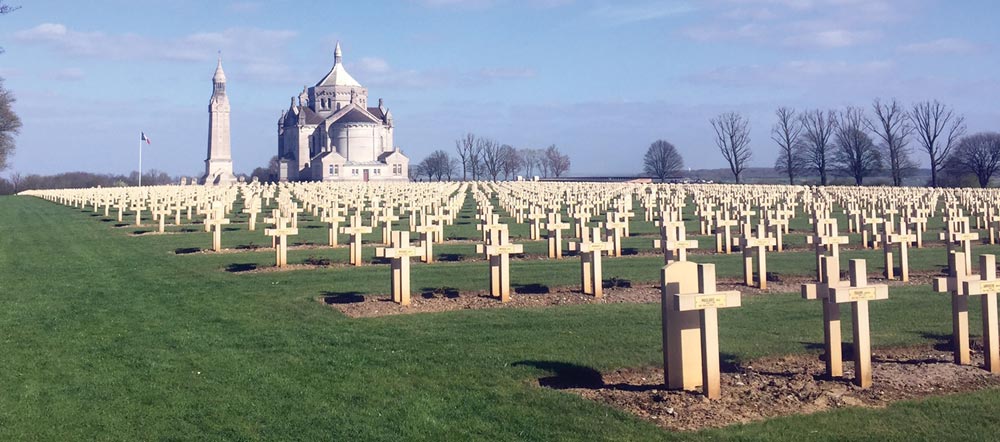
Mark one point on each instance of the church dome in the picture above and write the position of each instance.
(338, 76)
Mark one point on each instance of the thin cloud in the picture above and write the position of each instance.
(260, 51)
(620, 14)
(821, 24)
(941, 46)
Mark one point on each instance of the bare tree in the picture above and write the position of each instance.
(732, 136)
(452, 168)
(543, 163)
(510, 161)
(856, 154)
(530, 161)
(662, 160)
(787, 133)
(464, 147)
(10, 125)
(892, 127)
(476, 158)
(15, 180)
(558, 164)
(938, 129)
(819, 128)
(978, 154)
(491, 157)
(6, 9)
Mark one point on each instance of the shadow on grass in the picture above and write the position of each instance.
(450, 257)
(342, 297)
(122, 225)
(140, 232)
(231, 229)
(438, 292)
(250, 246)
(107, 220)
(629, 251)
(565, 375)
(186, 250)
(241, 267)
(941, 342)
(615, 282)
(531, 289)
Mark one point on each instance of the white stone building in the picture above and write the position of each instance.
(329, 133)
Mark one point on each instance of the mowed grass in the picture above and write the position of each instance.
(106, 336)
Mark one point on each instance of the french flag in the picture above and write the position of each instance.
(144, 138)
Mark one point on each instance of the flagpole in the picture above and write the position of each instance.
(140, 159)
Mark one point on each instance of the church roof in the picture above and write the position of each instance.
(338, 76)
(309, 116)
(353, 113)
(377, 113)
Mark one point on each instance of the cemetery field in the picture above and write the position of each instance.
(110, 335)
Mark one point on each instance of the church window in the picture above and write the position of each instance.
(397, 169)
(335, 169)
(354, 172)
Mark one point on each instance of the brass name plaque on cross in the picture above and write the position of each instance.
(862, 294)
(710, 301)
(989, 286)
(409, 251)
(505, 249)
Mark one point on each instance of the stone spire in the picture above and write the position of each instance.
(220, 75)
(219, 164)
(337, 54)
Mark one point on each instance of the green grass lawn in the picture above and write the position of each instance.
(108, 336)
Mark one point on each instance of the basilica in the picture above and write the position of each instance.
(329, 133)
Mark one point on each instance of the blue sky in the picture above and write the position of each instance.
(600, 79)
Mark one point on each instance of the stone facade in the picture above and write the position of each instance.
(219, 164)
(328, 133)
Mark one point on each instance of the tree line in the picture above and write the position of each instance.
(485, 158)
(859, 142)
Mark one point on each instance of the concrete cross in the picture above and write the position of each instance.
(987, 287)
(331, 216)
(554, 226)
(252, 209)
(830, 278)
(689, 310)
(954, 283)
(870, 235)
(279, 237)
(858, 293)
(535, 216)
(160, 213)
(215, 220)
(499, 255)
(590, 248)
(399, 254)
(903, 239)
(387, 218)
(614, 229)
(826, 240)
(356, 230)
(748, 244)
(723, 232)
(427, 231)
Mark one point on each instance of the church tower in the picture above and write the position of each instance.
(219, 164)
